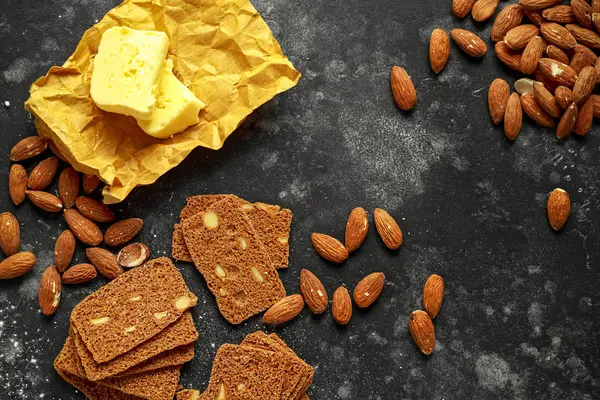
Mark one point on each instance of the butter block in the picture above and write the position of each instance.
(176, 107)
(127, 71)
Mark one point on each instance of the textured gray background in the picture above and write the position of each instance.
(520, 318)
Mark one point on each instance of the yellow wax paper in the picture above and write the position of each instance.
(221, 49)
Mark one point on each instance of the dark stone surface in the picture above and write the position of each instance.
(520, 318)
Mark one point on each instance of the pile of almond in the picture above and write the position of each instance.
(420, 323)
(82, 214)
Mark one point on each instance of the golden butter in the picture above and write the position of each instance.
(176, 107)
(127, 71)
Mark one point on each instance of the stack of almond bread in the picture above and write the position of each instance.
(262, 367)
(237, 246)
(130, 339)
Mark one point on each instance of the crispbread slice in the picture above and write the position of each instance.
(94, 391)
(302, 386)
(187, 394)
(152, 354)
(246, 283)
(131, 309)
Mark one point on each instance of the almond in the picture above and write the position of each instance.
(535, 17)
(123, 231)
(356, 229)
(596, 20)
(582, 12)
(517, 38)
(369, 289)
(68, 187)
(524, 85)
(83, 229)
(56, 151)
(584, 85)
(508, 18)
(595, 6)
(546, 100)
(27, 148)
(537, 4)
(79, 273)
(64, 250)
(422, 331)
(90, 183)
(329, 248)
(535, 112)
(567, 121)
(17, 265)
(513, 117)
(469, 42)
(510, 58)
(556, 53)
(10, 234)
(284, 310)
(582, 59)
(133, 255)
(104, 261)
(561, 14)
(49, 291)
(403, 89)
(94, 209)
(597, 68)
(531, 55)
(558, 35)
(585, 116)
(557, 72)
(388, 229)
(564, 97)
(584, 36)
(596, 102)
(42, 175)
(313, 291)
(44, 200)
(433, 295)
(439, 50)
(341, 306)
(17, 183)
(484, 9)
(548, 84)
(461, 8)
(497, 98)
(559, 208)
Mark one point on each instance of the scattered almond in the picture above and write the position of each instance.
(433, 295)
(133, 255)
(369, 289)
(83, 229)
(535, 112)
(509, 17)
(561, 14)
(42, 175)
(531, 55)
(27, 148)
(123, 231)
(584, 85)
(68, 187)
(329, 248)
(497, 98)
(341, 306)
(582, 57)
(94, 209)
(17, 265)
(510, 58)
(546, 100)
(537, 4)
(557, 72)
(469, 42)
(79, 273)
(513, 117)
(582, 12)
(313, 291)
(439, 50)
(517, 38)
(461, 8)
(64, 250)
(558, 35)
(49, 291)
(585, 116)
(388, 229)
(17, 183)
(10, 234)
(584, 36)
(564, 97)
(284, 310)
(90, 183)
(559, 208)
(44, 200)
(567, 121)
(484, 9)
(104, 261)
(356, 229)
(403, 89)
(556, 53)
(422, 331)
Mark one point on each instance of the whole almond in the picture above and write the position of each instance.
(79, 273)
(83, 229)
(484, 9)
(563, 96)
(584, 85)
(104, 261)
(388, 229)
(123, 231)
(27, 148)
(433, 295)
(68, 187)
(341, 306)
(497, 98)
(17, 183)
(596, 20)
(64, 249)
(535, 17)
(422, 331)
(469, 42)
(558, 35)
(510, 58)
(596, 105)
(550, 85)
(17, 265)
(369, 289)
(42, 175)
(531, 55)
(517, 38)
(284, 310)
(56, 151)
(584, 36)
(90, 183)
(329, 248)
(559, 208)
(595, 6)
(49, 291)
(509, 17)
(461, 8)
(357, 228)
(94, 209)
(44, 200)
(561, 14)
(585, 116)
(133, 255)
(313, 291)
(537, 4)
(513, 117)
(582, 57)
(10, 234)
(546, 100)
(557, 72)
(556, 53)
(582, 12)
(535, 112)
(403, 89)
(439, 50)
(567, 121)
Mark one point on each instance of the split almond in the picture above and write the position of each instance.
(68, 187)
(134, 255)
(313, 291)
(369, 289)
(17, 265)
(27, 148)
(94, 209)
(517, 38)
(90, 183)
(80, 273)
(10, 234)
(433, 295)
(513, 117)
(64, 250)
(341, 306)
(439, 50)
(469, 42)
(584, 85)
(461, 8)
(17, 183)
(388, 229)
(329, 248)
(422, 331)
(44, 200)
(510, 17)
(535, 112)
(284, 310)
(564, 97)
(104, 261)
(585, 117)
(83, 229)
(559, 208)
(498, 95)
(42, 175)
(546, 100)
(557, 72)
(123, 231)
(49, 291)
(357, 228)
(403, 89)
(484, 9)
(567, 121)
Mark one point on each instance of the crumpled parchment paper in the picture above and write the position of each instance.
(221, 49)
